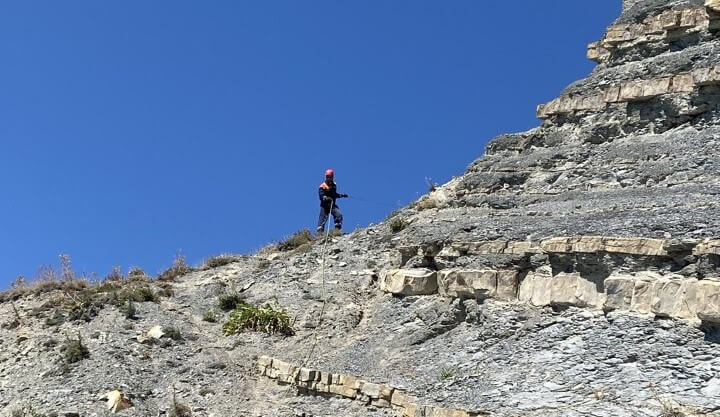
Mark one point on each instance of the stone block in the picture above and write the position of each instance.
(635, 246)
(266, 361)
(468, 283)
(306, 374)
(631, 91)
(557, 245)
(619, 290)
(507, 285)
(536, 288)
(409, 281)
(521, 248)
(588, 244)
(708, 301)
(670, 19)
(343, 390)
(682, 83)
(371, 390)
(574, 290)
(713, 5)
(386, 392)
(612, 94)
(402, 399)
(707, 247)
(675, 298)
(380, 403)
(643, 296)
(350, 381)
(654, 88)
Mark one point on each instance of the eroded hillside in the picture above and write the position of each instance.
(573, 270)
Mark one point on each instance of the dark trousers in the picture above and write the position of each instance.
(325, 213)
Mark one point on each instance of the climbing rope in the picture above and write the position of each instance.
(324, 299)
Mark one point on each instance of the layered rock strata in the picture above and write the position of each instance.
(353, 388)
(643, 291)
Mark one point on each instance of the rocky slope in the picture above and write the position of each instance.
(573, 270)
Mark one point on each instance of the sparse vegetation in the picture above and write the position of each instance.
(265, 319)
(263, 265)
(397, 224)
(172, 333)
(74, 350)
(129, 310)
(178, 269)
(29, 411)
(178, 409)
(447, 373)
(295, 241)
(136, 272)
(230, 301)
(221, 260)
(210, 316)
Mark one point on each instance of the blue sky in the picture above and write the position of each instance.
(132, 130)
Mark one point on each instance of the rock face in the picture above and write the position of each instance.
(572, 270)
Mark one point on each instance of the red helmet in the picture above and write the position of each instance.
(329, 173)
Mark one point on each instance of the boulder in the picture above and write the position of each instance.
(708, 301)
(418, 281)
(536, 287)
(675, 298)
(619, 291)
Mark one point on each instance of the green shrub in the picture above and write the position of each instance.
(74, 350)
(265, 319)
(296, 240)
(173, 333)
(139, 294)
(230, 301)
(210, 316)
(397, 224)
(447, 373)
(129, 310)
(221, 260)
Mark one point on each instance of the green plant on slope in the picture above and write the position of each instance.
(265, 319)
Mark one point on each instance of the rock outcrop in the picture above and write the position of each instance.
(572, 270)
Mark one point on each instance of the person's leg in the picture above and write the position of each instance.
(337, 217)
(324, 214)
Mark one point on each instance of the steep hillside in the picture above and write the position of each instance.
(573, 270)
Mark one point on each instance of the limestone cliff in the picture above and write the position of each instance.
(572, 270)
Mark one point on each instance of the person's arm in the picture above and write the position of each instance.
(323, 194)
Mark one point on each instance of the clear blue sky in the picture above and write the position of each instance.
(131, 130)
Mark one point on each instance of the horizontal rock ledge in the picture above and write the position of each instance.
(640, 90)
(354, 388)
(666, 25)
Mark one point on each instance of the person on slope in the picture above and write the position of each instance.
(328, 196)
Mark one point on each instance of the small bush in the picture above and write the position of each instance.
(221, 260)
(210, 316)
(129, 310)
(293, 242)
(173, 333)
(83, 307)
(135, 272)
(447, 373)
(178, 409)
(263, 265)
(265, 319)
(29, 411)
(178, 269)
(397, 224)
(74, 351)
(139, 294)
(230, 301)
